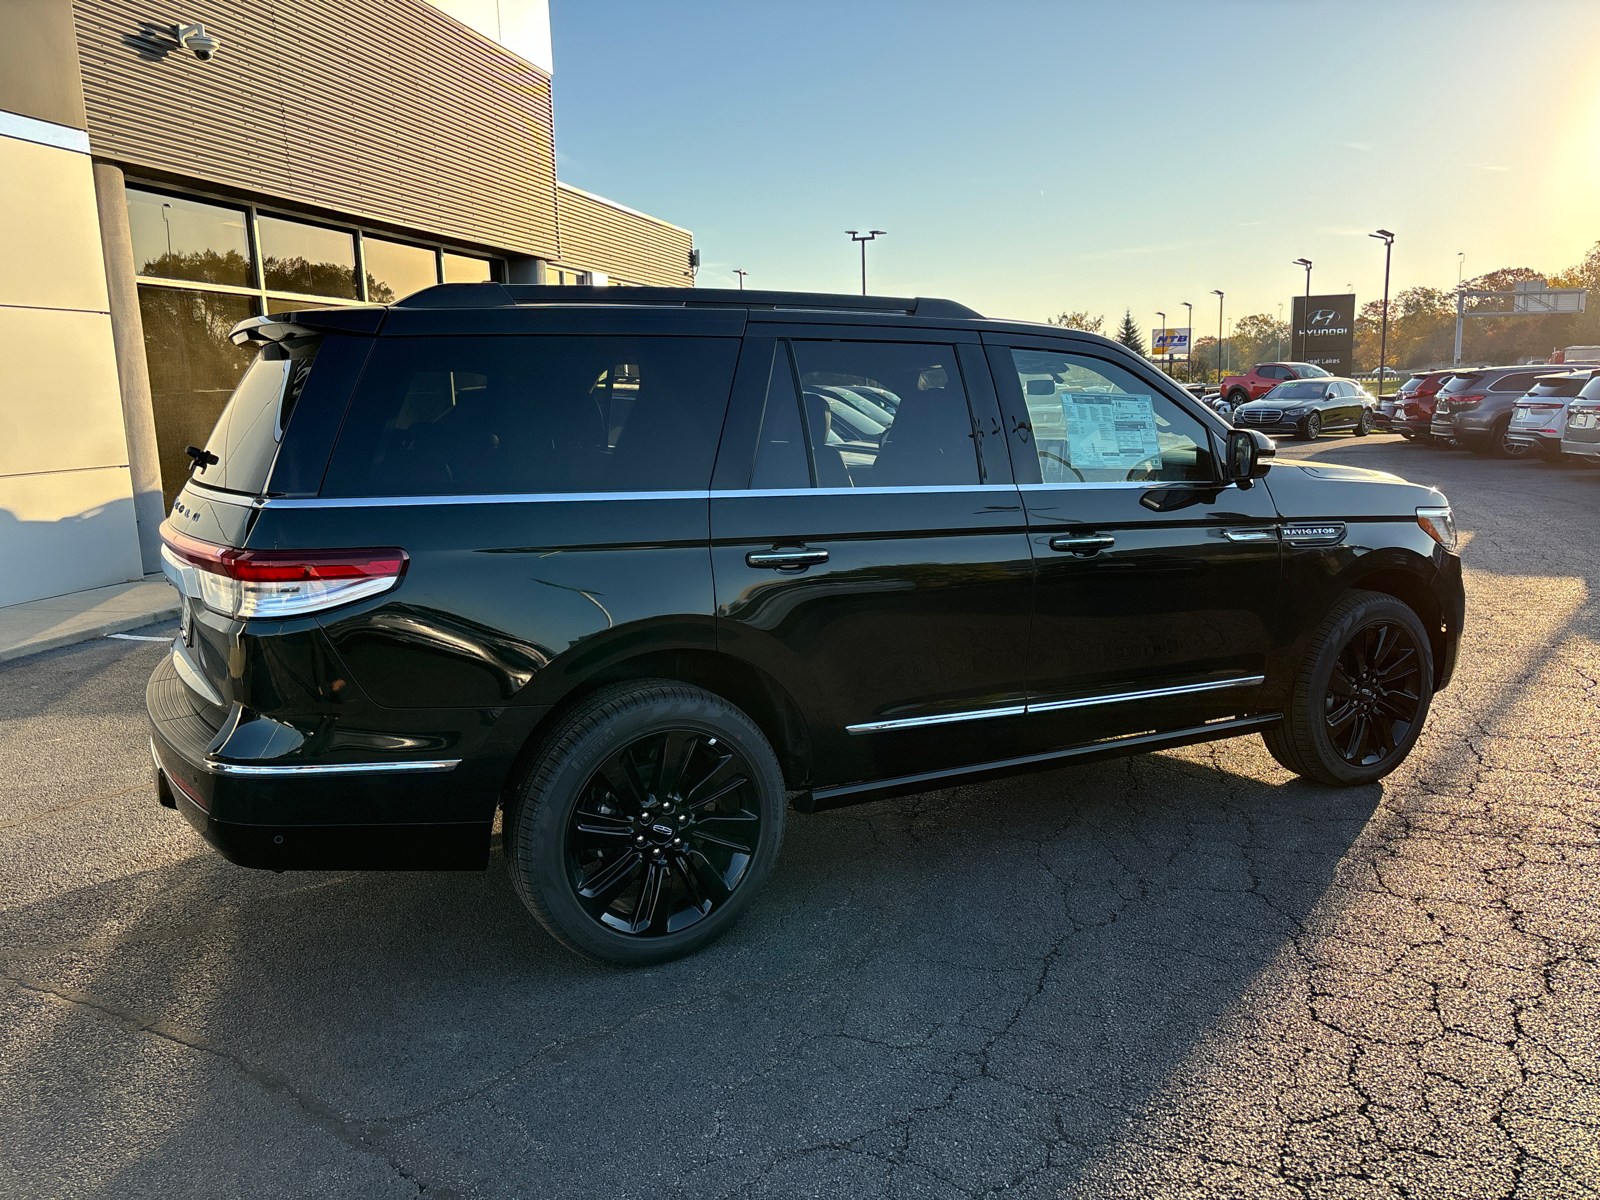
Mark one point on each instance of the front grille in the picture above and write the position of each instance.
(1262, 416)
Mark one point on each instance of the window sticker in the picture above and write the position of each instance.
(1110, 432)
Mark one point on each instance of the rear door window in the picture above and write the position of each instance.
(511, 415)
(875, 414)
(247, 435)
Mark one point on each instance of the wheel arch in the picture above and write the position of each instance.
(1414, 591)
(748, 688)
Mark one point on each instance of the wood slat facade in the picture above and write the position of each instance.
(601, 235)
(386, 112)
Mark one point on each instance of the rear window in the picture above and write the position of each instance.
(1557, 387)
(474, 416)
(1461, 383)
(250, 429)
(1591, 390)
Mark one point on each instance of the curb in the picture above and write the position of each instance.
(88, 632)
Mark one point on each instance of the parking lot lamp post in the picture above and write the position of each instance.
(1218, 295)
(1160, 329)
(741, 275)
(1387, 238)
(1189, 349)
(864, 238)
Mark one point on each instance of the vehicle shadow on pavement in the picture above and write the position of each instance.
(928, 988)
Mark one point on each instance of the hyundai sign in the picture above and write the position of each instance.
(1165, 342)
(1324, 333)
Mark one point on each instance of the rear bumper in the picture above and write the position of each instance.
(1547, 443)
(317, 815)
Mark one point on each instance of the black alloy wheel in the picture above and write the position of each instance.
(647, 822)
(1361, 694)
(1364, 425)
(663, 833)
(1311, 427)
(1373, 693)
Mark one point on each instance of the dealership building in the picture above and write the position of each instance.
(166, 172)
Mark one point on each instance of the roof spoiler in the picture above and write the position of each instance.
(498, 295)
(259, 331)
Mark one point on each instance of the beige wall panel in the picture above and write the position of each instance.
(50, 248)
(66, 531)
(597, 235)
(60, 407)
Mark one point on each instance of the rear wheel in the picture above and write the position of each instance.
(1311, 427)
(648, 824)
(1364, 425)
(1501, 446)
(1361, 694)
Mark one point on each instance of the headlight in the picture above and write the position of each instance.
(1298, 410)
(1439, 524)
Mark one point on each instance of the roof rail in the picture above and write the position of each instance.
(497, 295)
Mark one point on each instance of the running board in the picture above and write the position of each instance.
(822, 799)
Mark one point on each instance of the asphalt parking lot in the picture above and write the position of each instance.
(1188, 974)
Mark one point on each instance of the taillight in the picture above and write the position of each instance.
(279, 583)
(1459, 403)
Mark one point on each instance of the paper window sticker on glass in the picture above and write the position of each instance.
(1110, 432)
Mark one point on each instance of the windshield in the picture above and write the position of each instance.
(1304, 390)
(1461, 383)
(1307, 371)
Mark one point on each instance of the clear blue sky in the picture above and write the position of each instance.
(1032, 158)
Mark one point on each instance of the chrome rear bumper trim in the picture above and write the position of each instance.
(311, 769)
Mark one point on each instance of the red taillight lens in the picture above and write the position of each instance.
(278, 583)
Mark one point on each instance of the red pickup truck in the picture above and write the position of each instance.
(1263, 377)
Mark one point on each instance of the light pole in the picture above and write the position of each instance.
(1160, 329)
(1218, 295)
(1280, 329)
(741, 275)
(864, 238)
(1305, 315)
(1189, 346)
(1387, 238)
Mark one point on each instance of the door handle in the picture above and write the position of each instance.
(1251, 535)
(1083, 546)
(785, 560)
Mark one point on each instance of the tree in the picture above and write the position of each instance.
(1129, 334)
(1081, 321)
(1258, 338)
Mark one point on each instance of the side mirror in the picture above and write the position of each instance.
(1248, 455)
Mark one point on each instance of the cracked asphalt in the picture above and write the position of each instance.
(1188, 974)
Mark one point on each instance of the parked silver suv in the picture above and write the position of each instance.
(1538, 419)
(1581, 437)
(1474, 409)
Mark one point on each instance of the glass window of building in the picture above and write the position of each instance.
(193, 368)
(174, 238)
(458, 268)
(307, 259)
(395, 270)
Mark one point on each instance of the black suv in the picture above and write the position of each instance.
(642, 568)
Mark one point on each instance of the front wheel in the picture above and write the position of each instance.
(1311, 428)
(1238, 396)
(647, 825)
(1361, 694)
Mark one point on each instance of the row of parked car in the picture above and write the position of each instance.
(1509, 412)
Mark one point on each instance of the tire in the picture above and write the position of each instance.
(635, 882)
(1364, 425)
(1311, 428)
(1500, 447)
(1238, 396)
(1376, 727)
